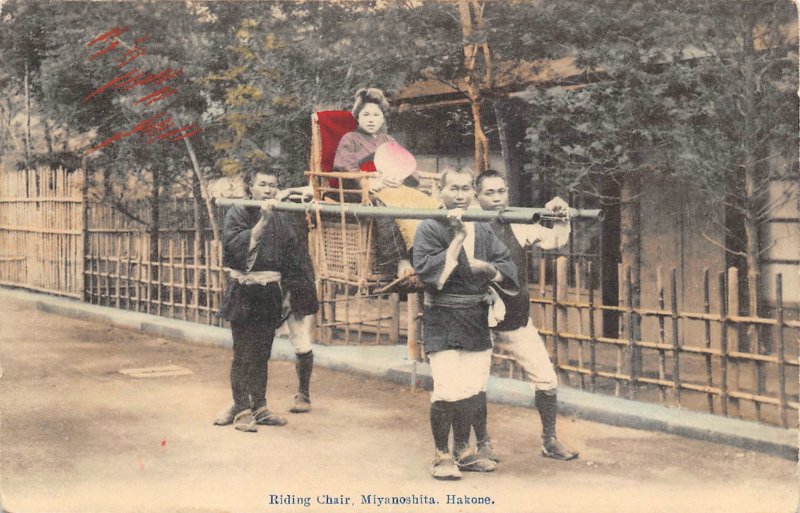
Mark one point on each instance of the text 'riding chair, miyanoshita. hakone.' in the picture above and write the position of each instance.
(357, 305)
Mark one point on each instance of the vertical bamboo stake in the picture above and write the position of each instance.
(208, 282)
(755, 345)
(196, 280)
(118, 265)
(676, 349)
(581, 364)
(212, 303)
(129, 249)
(140, 269)
(782, 406)
(723, 363)
(554, 316)
(159, 275)
(48, 254)
(95, 261)
(707, 322)
(592, 334)
(327, 312)
(631, 341)
(733, 309)
(184, 284)
(223, 282)
(618, 348)
(561, 318)
(394, 322)
(149, 276)
(359, 315)
(171, 263)
(107, 274)
(381, 299)
(542, 288)
(347, 302)
(412, 342)
(662, 357)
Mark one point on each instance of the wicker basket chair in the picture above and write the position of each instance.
(343, 249)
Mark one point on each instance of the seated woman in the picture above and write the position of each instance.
(356, 151)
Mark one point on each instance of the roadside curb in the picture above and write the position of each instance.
(390, 363)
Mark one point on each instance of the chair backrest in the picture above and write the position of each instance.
(327, 129)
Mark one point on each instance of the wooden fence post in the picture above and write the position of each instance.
(581, 343)
(723, 362)
(84, 243)
(676, 348)
(414, 350)
(781, 350)
(662, 336)
(757, 342)
(592, 335)
(394, 321)
(560, 320)
(618, 348)
(631, 331)
(554, 317)
(707, 323)
(732, 308)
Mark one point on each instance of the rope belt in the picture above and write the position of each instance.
(254, 277)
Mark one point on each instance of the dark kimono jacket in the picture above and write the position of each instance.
(464, 327)
(518, 307)
(278, 250)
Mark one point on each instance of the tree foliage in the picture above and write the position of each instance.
(703, 91)
(700, 90)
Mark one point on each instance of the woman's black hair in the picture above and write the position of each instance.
(370, 95)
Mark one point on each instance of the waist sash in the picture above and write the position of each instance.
(254, 278)
(497, 309)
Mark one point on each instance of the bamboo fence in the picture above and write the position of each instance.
(712, 359)
(717, 360)
(41, 240)
(180, 278)
(185, 281)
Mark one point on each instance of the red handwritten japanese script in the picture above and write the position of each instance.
(157, 127)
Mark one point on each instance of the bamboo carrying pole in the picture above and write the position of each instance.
(510, 215)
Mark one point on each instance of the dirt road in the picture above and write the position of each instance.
(77, 435)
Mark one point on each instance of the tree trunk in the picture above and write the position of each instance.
(509, 131)
(8, 113)
(155, 223)
(610, 255)
(48, 137)
(631, 247)
(212, 218)
(473, 80)
(27, 117)
(197, 212)
(751, 183)
(757, 338)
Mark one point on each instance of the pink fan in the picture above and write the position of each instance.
(394, 161)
